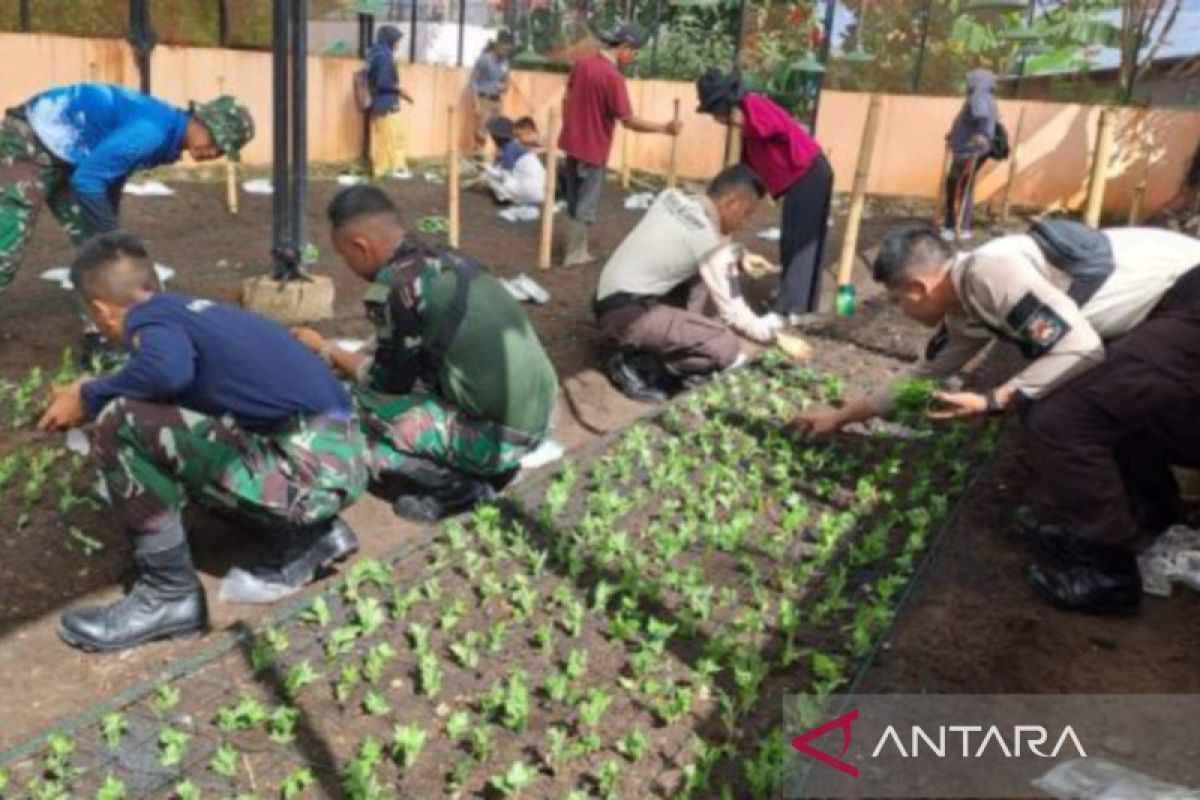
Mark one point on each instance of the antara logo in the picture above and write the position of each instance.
(1021, 740)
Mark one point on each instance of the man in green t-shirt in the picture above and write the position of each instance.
(456, 387)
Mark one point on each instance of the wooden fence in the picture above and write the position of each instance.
(1055, 144)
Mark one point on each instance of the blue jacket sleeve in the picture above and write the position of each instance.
(120, 153)
(162, 366)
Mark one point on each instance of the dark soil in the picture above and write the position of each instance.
(972, 626)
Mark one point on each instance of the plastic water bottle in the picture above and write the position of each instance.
(845, 300)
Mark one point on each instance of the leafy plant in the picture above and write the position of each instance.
(458, 724)
(172, 745)
(225, 760)
(299, 676)
(243, 715)
(186, 790)
(113, 728)
(359, 780)
(407, 742)
(374, 703)
(282, 724)
(112, 789)
(633, 745)
(317, 612)
(296, 782)
(429, 674)
(512, 781)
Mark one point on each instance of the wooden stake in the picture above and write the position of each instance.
(1099, 178)
(671, 168)
(733, 153)
(1014, 162)
(1143, 168)
(625, 166)
(452, 187)
(859, 194)
(547, 232)
(231, 181)
(940, 207)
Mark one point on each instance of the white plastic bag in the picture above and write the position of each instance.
(1098, 779)
(639, 202)
(1173, 558)
(148, 189)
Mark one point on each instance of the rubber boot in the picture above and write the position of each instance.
(166, 602)
(577, 244)
(637, 377)
(1108, 581)
(296, 555)
(437, 492)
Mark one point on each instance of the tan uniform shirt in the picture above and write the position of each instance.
(678, 238)
(1009, 290)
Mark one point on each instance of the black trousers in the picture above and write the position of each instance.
(960, 191)
(803, 226)
(1104, 443)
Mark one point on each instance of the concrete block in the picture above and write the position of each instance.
(291, 302)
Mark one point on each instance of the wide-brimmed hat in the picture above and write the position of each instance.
(228, 121)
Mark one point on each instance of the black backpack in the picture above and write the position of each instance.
(1000, 146)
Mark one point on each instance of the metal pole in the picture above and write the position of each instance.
(279, 155)
(412, 34)
(141, 39)
(926, 23)
(299, 195)
(462, 28)
(26, 22)
(1029, 14)
(826, 46)
(366, 35)
(737, 54)
(223, 23)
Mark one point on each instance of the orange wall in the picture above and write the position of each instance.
(1055, 143)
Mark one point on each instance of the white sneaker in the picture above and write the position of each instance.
(947, 234)
(532, 289)
(775, 322)
(401, 175)
(966, 236)
(515, 290)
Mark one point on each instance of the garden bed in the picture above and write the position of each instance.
(624, 629)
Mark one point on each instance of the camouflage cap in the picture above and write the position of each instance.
(228, 121)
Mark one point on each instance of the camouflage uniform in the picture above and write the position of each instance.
(152, 457)
(29, 177)
(415, 405)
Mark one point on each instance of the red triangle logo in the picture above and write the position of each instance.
(801, 743)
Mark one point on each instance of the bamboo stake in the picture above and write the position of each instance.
(1099, 177)
(547, 232)
(940, 205)
(672, 167)
(1014, 162)
(231, 182)
(859, 195)
(452, 228)
(1143, 169)
(733, 152)
(625, 166)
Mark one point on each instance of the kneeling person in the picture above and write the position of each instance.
(216, 405)
(457, 387)
(518, 175)
(656, 291)
(1110, 323)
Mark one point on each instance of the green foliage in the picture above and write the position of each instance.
(225, 760)
(112, 789)
(113, 728)
(512, 781)
(296, 782)
(407, 743)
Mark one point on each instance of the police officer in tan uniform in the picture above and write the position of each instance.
(1110, 323)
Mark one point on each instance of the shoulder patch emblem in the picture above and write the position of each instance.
(1037, 326)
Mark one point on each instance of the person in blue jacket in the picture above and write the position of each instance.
(72, 148)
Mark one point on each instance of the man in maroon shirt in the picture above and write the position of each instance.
(595, 101)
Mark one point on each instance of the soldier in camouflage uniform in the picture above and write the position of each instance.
(72, 148)
(458, 387)
(218, 406)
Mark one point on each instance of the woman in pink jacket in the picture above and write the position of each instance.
(791, 163)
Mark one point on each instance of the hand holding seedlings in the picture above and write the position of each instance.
(66, 408)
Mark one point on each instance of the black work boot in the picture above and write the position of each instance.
(1050, 539)
(1105, 581)
(295, 556)
(460, 493)
(639, 377)
(166, 602)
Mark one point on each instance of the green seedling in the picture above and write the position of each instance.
(317, 612)
(516, 778)
(543, 638)
(403, 602)
(113, 728)
(557, 747)
(112, 789)
(429, 674)
(674, 705)
(764, 772)
(418, 637)
(166, 698)
(369, 613)
(376, 661)
(25, 398)
(359, 780)
(282, 725)
(296, 782)
(225, 760)
(607, 779)
(172, 745)
(243, 715)
(452, 614)
(633, 745)
(375, 704)
(342, 640)
(407, 742)
(914, 395)
(482, 745)
(58, 759)
(466, 651)
(460, 775)
(349, 677)
(299, 676)
(10, 465)
(458, 725)
(186, 790)
(508, 702)
(496, 636)
(593, 706)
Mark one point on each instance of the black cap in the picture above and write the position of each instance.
(501, 127)
(629, 33)
(719, 91)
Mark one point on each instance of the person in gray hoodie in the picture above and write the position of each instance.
(970, 142)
